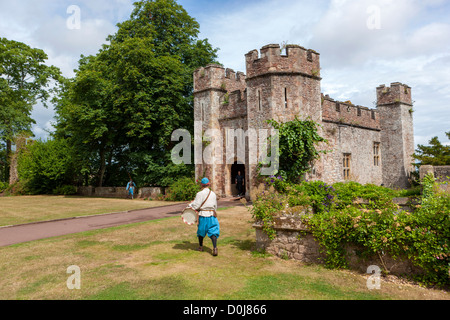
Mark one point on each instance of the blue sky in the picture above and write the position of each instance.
(410, 43)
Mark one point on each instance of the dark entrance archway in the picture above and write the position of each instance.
(235, 168)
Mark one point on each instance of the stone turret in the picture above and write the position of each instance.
(219, 94)
(395, 108)
(297, 60)
(282, 87)
(216, 77)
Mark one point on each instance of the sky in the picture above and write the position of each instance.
(363, 43)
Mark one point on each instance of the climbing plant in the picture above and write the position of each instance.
(298, 141)
(376, 224)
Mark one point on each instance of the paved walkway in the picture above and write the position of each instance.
(48, 229)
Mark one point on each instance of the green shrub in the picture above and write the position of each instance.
(376, 197)
(19, 188)
(184, 189)
(66, 190)
(3, 186)
(265, 207)
(376, 224)
(422, 236)
(46, 165)
(414, 191)
(321, 196)
(428, 185)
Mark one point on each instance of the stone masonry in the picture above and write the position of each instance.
(295, 241)
(365, 145)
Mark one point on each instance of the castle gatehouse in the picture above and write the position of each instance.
(365, 145)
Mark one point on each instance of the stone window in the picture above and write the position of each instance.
(359, 112)
(285, 98)
(203, 112)
(376, 154)
(346, 164)
(373, 115)
(259, 100)
(309, 56)
(338, 107)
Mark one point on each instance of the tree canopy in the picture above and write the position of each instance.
(24, 80)
(124, 103)
(435, 154)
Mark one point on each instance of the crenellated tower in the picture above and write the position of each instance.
(395, 108)
(282, 87)
(217, 92)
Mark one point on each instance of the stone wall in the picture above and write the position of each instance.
(235, 107)
(216, 77)
(346, 113)
(119, 192)
(441, 173)
(295, 241)
(150, 192)
(13, 173)
(359, 144)
(21, 143)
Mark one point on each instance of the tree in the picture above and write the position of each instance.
(44, 166)
(24, 80)
(3, 162)
(124, 103)
(435, 154)
(84, 115)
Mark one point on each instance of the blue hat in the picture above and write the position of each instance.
(205, 181)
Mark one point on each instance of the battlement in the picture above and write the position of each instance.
(396, 93)
(216, 77)
(349, 114)
(297, 60)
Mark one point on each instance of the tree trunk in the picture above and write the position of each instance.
(102, 167)
(8, 159)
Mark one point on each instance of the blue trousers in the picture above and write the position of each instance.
(208, 226)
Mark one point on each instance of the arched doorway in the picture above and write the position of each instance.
(235, 168)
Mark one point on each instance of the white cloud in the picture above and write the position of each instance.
(55, 35)
(412, 45)
(344, 37)
(43, 24)
(249, 26)
(65, 46)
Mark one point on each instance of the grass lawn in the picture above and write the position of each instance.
(26, 209)
(158, 260)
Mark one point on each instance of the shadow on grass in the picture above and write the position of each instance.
(192, 246)
(245, 245)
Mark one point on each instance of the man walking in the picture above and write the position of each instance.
(131, 188)
(240, 183)
(205, 204)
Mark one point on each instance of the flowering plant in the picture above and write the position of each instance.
(374, 222)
